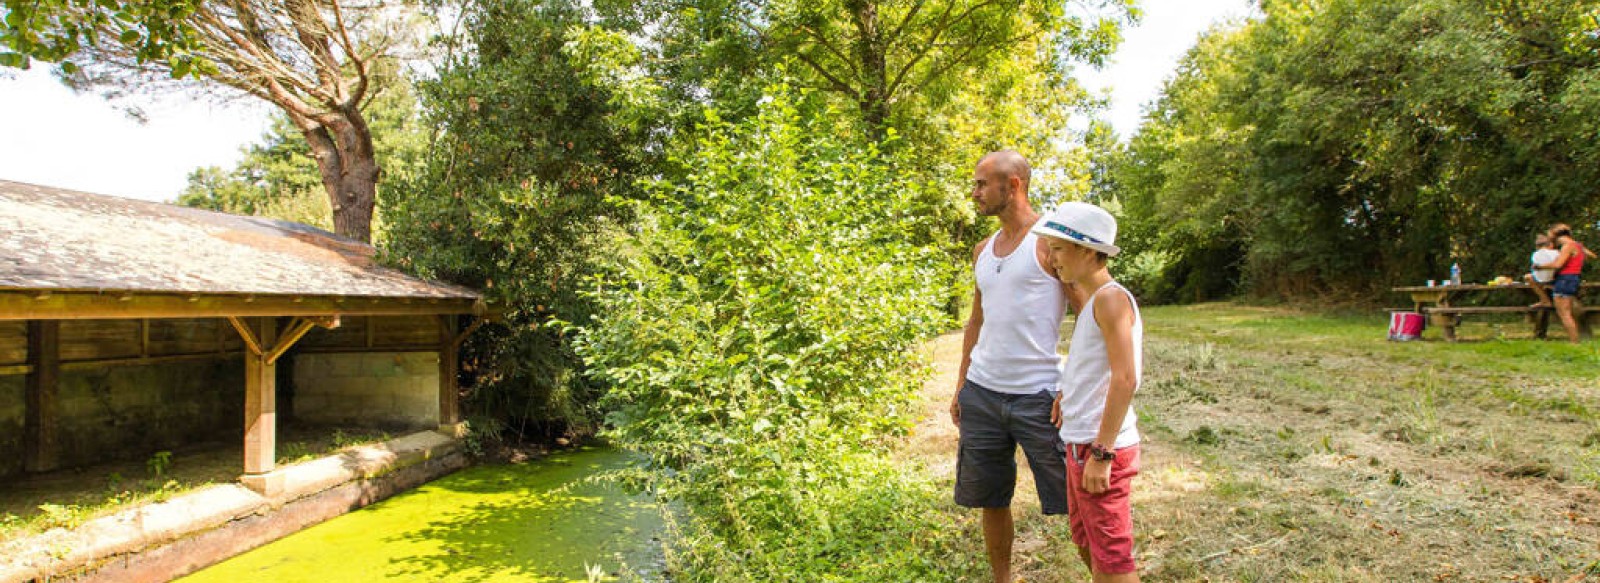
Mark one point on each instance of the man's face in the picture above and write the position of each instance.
(991, 191)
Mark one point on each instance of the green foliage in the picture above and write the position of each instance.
(278, 168)
(756, 338)
(159, 463)
(513, 200)
(1343, 146)
(950, 80)
(56, 30)
(278, 177)
(890, 59)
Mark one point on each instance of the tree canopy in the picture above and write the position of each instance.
(1343, 146)
(315, 60)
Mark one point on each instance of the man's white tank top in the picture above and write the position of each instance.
(1022, 306)
(1087, 377)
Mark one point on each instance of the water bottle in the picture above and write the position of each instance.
(1455, 274)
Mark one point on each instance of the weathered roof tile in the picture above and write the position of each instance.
(55, 239)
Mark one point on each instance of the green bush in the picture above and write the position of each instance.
(757, 341)
(513, 201)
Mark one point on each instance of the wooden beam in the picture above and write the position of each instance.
(250, 342)
(41, 449)
(143, 360)
(260, 412)
(16, 369)
(366, 350)
(297, 330)
(32, 305)
(473, 327)
(449, 368)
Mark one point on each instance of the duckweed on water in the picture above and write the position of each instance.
(536, 522)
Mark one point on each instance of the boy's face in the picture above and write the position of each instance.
(1068, 260)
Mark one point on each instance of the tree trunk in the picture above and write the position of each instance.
(342, 146)
(869, 51)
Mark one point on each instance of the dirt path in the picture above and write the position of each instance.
(1043, 543)
(1277, 449)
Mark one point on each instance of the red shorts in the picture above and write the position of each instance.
(1103, 522)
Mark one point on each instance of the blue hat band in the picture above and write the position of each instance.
(1071, 233)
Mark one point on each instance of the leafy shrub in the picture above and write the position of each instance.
(513, 201)
(756, 341)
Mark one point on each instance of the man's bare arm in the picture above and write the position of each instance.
(969, 338)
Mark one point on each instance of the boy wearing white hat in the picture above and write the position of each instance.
(1097, 385)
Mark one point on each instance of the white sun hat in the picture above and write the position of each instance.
(1084, 224)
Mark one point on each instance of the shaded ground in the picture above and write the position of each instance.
(1290, 446)
(544, 521)
(67, 498)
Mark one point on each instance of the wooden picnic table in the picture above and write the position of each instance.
(1435, 302)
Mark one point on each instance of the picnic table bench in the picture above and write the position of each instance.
(1435, 302)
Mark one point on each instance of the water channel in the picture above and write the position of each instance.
(543, 521)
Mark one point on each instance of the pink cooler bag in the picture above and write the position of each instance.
(1405, 325)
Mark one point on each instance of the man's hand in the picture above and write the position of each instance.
(1055, 412)
(1096, 475)
(955, 408)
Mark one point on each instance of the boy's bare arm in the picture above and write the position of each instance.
(1114, 313)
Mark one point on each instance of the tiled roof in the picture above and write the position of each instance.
(54, 239)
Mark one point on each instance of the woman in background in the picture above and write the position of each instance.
(1568, 265)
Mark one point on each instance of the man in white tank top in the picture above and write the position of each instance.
(1097, 386)
(1006, 391)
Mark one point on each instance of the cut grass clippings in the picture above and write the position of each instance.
(1283, 445)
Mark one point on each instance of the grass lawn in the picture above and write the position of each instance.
(1282, 445)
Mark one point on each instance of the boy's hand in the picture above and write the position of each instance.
(1055, 411)
(1096, 476)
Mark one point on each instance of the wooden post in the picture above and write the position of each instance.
(41, 449)
(449, 367)
(260, 412)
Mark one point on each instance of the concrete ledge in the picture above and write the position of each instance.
(166, 540)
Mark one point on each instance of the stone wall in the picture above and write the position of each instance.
(13, 406)
(131, 411)
(128, 412)
(387, 390)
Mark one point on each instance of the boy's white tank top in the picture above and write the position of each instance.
(1087, 377)
(1022, 306)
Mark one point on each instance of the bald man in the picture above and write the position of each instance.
(1006, 392)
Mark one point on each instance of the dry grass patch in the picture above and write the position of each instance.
(1289, 446)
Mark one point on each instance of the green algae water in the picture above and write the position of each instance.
(543, 521)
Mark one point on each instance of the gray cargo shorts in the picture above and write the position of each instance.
(992, 426)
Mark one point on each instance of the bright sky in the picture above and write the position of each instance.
(54, 137)
(1150, 51)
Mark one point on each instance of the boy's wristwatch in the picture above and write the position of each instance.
(1099, 452)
